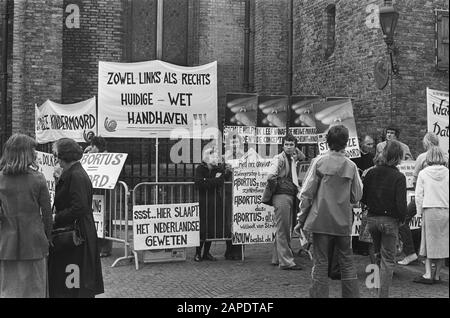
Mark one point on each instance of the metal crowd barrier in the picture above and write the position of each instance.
(149, 193)
(116, 219)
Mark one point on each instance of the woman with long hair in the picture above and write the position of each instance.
(432, 203)
(73, 203)
(25, 221)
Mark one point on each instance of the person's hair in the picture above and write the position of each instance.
(395, 129)
(435, 156)
(429, 140)
(290, 137)
(68, 150)
(337, 137)
(18, 154)
(99, 142)
(392, 154)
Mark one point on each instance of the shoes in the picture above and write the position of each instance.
(274, 264)
(292, 268)
(422, 280)
(408, 259)
(105, 254)
(197, 258)
(209, 257)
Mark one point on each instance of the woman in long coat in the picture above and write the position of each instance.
(73, 201)
(25, 221)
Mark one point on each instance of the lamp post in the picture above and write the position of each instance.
(388, 20)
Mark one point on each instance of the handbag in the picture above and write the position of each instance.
(66, 238)
(269, 190)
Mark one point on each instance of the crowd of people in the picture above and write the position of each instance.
(321, 204)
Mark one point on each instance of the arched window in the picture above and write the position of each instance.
(330, 30)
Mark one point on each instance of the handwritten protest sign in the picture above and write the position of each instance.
(103, 168)
(253, 221)
(47, 162)
(98, 211)
(54, 121)
(166, 226)
(151, 99)
(407, 168)
(437, 116)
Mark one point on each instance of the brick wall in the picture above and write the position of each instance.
(271, 46)
(221, 38)
(99, 38)
(349, 70)
(37, 59)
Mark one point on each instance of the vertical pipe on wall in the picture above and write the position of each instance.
(4, 70)
(290, 53)
(247, 47)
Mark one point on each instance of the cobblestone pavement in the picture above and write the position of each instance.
(255, 277)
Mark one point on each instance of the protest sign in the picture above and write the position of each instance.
(331, 113)
(416, 221)
(407, 168)
(253, 221)
(357, 214)
(437, 116)
(271, 119)
(76, 121)
(166, 226)
(103, 168)
(98, 211)
(152, 99)
(302, 122)
(47, 163)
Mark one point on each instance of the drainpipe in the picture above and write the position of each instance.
(290, 53)
(247, 47)
(4, 72)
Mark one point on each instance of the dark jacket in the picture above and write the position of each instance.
(73, 201)
(211, 195)
(25, 216)
(384, 192)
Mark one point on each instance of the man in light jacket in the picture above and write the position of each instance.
(332, 184)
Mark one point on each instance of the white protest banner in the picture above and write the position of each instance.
(150, 99)
(407, 168)
(437, 116)
(253, 221)
(331, 113)
(416, 221)
(103, 168)
(54, 121)
(47, 163)
(166, 226)
(98, 211)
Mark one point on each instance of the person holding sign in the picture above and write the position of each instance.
(283, 173)
(73, 202)
(385, 196)
(332, 184)
(25, 221)
(432, 203)
(393, 133)
(209, 180)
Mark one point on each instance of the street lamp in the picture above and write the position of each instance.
(388, 21)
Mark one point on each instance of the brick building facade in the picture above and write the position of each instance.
(335, 47)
